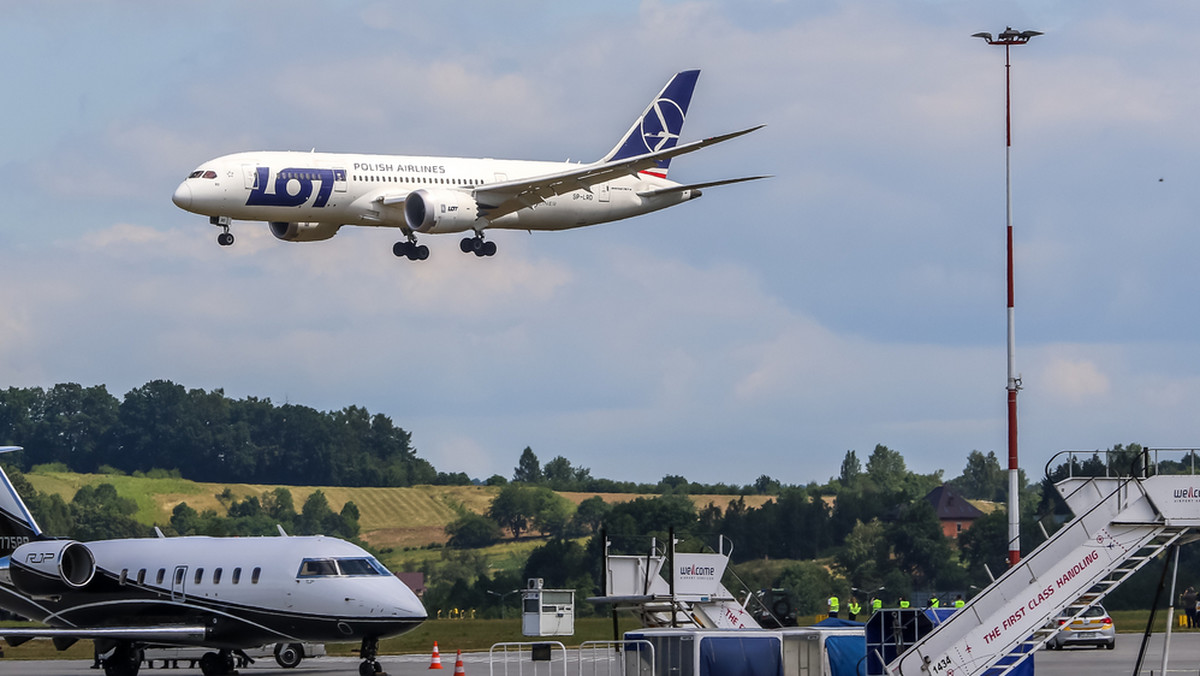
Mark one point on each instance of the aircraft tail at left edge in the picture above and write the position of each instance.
(17, 525)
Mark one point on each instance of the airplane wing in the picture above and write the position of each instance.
(65, 636)
(499, 199)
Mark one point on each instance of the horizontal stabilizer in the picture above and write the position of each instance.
(498, 199)
(16, 523)
(698, 186)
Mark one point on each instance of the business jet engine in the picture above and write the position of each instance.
(49, 567)
(303, 232)
(440, 210)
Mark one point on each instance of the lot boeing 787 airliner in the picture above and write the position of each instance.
(307, 197)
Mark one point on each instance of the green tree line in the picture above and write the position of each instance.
(869, 528)
(209, 437)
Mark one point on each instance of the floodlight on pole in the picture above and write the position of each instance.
(1008, 39)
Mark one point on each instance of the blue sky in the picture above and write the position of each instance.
(856, 298)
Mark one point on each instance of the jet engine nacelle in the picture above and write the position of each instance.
(440, 211)
(49, 567)
(303, 232)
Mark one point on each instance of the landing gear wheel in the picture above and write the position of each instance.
(217, 664)
(410, 250)
(289, 655)
(367, 651)
(478, 246)
(125, 660)
(225, 239)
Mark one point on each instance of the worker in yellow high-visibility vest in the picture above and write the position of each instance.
(959, 602)
(876, 604)
(834, 604)
(854, 609)
(904, 602)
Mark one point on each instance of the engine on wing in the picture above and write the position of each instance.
(48, 567)
(303, 232)
(439, 211)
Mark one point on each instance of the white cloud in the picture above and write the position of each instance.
(1076, 381)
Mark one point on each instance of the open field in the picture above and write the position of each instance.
(392, 518)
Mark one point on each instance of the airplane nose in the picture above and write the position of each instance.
(183, 196)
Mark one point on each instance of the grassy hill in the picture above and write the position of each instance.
(390, 518)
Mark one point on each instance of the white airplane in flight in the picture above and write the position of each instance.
(228, 594)
(307, 197)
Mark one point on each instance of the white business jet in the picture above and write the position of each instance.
(306, 197)
(226, 593)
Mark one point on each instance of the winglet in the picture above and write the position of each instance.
(659, 126)
(16, 523)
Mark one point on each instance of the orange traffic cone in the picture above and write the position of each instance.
(458, 666)
(437, 658)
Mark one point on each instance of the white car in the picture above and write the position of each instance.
(1094, 628)
(287, 655)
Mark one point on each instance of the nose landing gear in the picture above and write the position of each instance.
(223, 222)
(368, 650)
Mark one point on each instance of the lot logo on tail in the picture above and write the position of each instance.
(661, 125)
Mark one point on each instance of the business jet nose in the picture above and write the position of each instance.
(183, 196)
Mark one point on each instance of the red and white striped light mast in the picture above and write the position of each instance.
(1009, 38)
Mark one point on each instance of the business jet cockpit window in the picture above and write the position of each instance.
(203, 174)
(341, 567)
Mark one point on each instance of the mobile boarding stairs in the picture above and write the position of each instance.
(1120, 524)
(690, 595)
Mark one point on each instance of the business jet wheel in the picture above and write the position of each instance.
(488, 249)
(217, 664)
(289, 655)
(225, 239)
(125, 660)
(469, 244)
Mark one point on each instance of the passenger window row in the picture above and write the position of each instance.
(371, 178)
(197, 577)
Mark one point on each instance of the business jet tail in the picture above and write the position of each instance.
(16, 523)
(659, 126)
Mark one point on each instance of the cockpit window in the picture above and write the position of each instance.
(318, 568)
(366, 566)
(341, 567)
(200, 173)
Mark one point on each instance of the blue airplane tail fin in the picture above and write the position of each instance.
(16, 523)
(659, 126)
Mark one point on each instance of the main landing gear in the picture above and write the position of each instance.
(478, 246)
(218, 663)
(368, 651)
(410, 249)
(223, 222)
(419, 252)
(123, 659)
